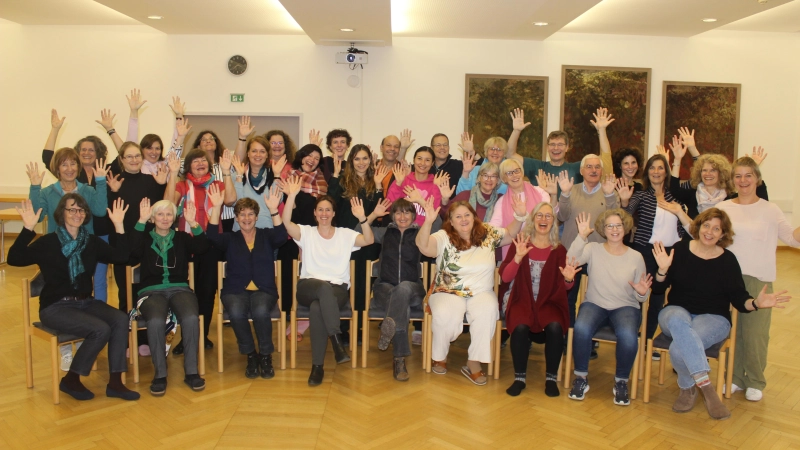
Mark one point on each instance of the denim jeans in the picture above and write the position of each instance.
(397, 302)
(183, 303)
(256, 305)
(96, 322)
(691, 335)
(101, 278)
(324, 300)
(625, 321)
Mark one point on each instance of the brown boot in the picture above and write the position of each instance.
(685, 401)
(714, 405)
(399, 369)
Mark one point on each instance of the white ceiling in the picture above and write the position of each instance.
(377, 21)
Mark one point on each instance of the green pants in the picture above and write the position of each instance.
(752, 341)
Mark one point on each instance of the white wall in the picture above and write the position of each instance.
(416, 83)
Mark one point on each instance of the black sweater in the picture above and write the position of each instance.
(704, 286)
(46, 253)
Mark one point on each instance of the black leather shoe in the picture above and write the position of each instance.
(265, 362)
(251, 371)
(178, 350)
(195, 382)
(317, 374)
(208, 344)
(338, 349)
(158, 387)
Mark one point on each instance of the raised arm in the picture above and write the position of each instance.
(225, 164)
(19, 255)
(174, 165)
(602, 119)
(357, 208)
(405, 143)
(107, 122)
(578, 249)
(518, 124)
(678, 149)
(135, 102)
(518, 204)
(245, 130)
(687, 139)
(291, 186)
(182, 127)
(50, 144)
(425, 242)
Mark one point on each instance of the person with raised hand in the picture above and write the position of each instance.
(759, 225)
(494, 151)
(66, 259)
(482, 197)
(465, 263)
(421, 179)
(164, 255)
(325, 271)
(618, 284)
(252, 178)
(249, 289)
(535, 304)
(444, 161)
(337, 142)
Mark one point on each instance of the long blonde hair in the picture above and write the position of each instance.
(530, 225)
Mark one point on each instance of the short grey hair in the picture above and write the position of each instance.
(592, 156)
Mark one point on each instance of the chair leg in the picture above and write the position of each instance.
(568, 359)
(201, 354)
(635, 375)
(354, 340)
(648, 370)
(721, 374)
(135, 353)
(642, 362)
(220, 367)
(293, 340)
(662, 365)
(55, 363)
(28, 357)
(364, 338)
(497, 332)
(428, 344)
(729, 377)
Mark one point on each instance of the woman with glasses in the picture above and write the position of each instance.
(494, 150)
(420, 185)
(618, 284)
(482, 197)
(66, 259)
(535, 305)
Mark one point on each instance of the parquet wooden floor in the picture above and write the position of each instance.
(366, 408)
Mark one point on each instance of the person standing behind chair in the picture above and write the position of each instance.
(325, 271)
(249, 288)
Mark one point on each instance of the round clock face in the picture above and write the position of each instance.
(237, 65)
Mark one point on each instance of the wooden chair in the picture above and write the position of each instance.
(346, 313)
(32, 288)
(606, 334)
(722, 351)
(492, 368)
(373, 313)
(132, 276)
(276, 315)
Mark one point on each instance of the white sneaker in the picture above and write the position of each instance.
(752, 394)
(734, 388)
(416, 337)
(66, 360)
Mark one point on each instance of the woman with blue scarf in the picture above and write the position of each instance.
(67, 260)
(253, 179)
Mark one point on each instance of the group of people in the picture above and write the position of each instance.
(710, 240)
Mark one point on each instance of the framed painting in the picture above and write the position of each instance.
(625, 91)
(488, 103)
(711, 109)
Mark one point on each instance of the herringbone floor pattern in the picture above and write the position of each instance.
(366, 408)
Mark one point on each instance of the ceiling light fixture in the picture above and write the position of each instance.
(709, 20)
(347, 29)
(540, 24)
(155, 17)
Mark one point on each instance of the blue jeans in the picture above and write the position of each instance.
(625, 321)
(101, 278)
(256, 305)
(691, 335)
(96, 322)
(397, 302)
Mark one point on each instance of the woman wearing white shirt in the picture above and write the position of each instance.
(325, 273)
(758, 225)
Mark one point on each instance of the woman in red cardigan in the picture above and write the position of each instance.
(535, 303)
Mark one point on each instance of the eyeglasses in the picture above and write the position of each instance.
(133, 157)
(275, 143)
(440, 145)
(494, 149)
(513, 172)
(488, 176)
(76, 211)
(208, 140)
(541, 216)
(614, 226)
(558, 145)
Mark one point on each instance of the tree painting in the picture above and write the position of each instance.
(712, 110)
(489, 102)
(626, 94)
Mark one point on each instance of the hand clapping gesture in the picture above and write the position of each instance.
(663, 259)
(400, 170)
(602, 119)
(565, 182)
(643, 285)
(570, 269)
(29, 218)
(758, 155)
(117, 214)
(145, 210)
(522, 244)
(32, 169)
(518, 119)
(547, 182)
(584, 224)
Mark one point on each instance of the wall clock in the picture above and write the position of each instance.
(237, 65)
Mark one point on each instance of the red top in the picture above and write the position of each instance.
(200, 202)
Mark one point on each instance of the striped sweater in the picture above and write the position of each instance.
(642, 206)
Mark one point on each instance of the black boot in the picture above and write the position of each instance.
(267, 371)
(317, 374)
(252, 365)
(338, 349)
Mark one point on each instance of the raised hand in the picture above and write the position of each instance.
(313, 138)
(106, 119)
(182, 126)
(522, 244)
(29, 217)
(214, 195)
(114, 183)
(547, 182)
(405, 139)
(291, 186)
(382, 208)
(55, 122)
(244, 127)
(277, 166)
(274, 199)
(466, 144)
(758, 155)
(400, 170)
(678, 148)
(337, 167)
(770, 300)
(686, 137)
(661, 150)
(570, 269)
(518, 204)
(584, 224)
(442, 181)
(608, 184)
(380, 173)
(663, 259)
(643, 285)
(145, 210)
(32, 169)
(602, 119)
(241, 167)
(226, 161)
(117, 213)
(468, 160)
(357, 208)
(100, 170)
(190, 213)
(161, 173)
(518, 119)
(135, 100)
(173, 164)
(565, 182)
(177, 107)
(430, 211)
(624, 190)
(413, 195)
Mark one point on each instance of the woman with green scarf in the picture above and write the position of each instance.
(67, 260)
(164, 255)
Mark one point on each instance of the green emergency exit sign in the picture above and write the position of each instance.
(237, 98)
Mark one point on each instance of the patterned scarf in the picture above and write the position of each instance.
(476, 198)
(312, 183)
(258, 183)
(161, 245)
(706, 200)
(72, 249)
(191, 183)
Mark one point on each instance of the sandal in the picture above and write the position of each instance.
(439, 367)
(477, 378)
